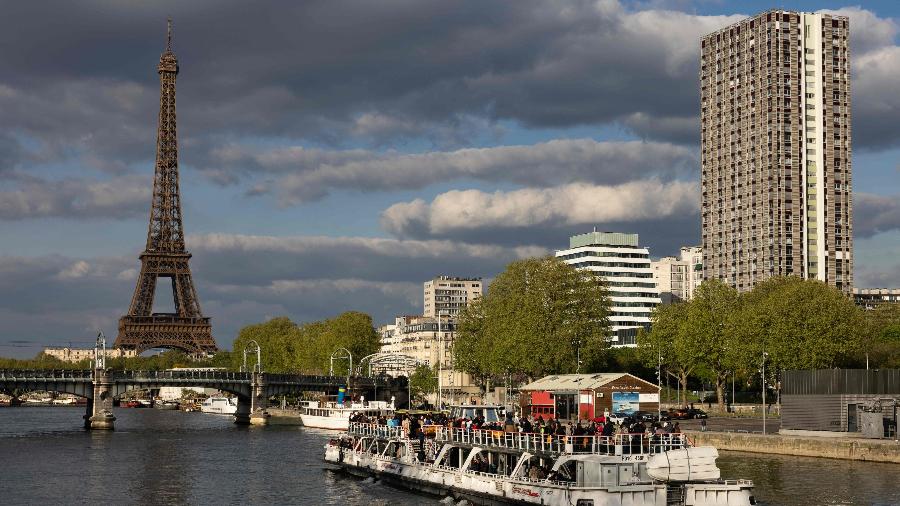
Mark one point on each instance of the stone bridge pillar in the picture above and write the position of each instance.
(259, 400)
(252, 410)
(99, 409)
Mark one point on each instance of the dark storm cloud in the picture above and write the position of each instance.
(240, 280)
(874, 214)
(84, 74)
(309, 174)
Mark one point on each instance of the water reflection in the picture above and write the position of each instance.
(786, 480)
(169, 457)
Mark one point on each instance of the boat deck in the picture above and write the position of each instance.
(618, 444)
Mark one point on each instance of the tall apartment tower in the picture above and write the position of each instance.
(446, 295)
(775, 143)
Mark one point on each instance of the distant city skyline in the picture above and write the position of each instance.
(334, 156)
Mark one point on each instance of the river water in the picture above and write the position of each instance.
(170, 457)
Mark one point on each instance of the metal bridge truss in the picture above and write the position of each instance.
(388, 363)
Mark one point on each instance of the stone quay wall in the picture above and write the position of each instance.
(873, 450)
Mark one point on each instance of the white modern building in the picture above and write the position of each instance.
(677, 277)
(448, 295)
(625, 267)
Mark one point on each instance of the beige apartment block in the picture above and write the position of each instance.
(448, 295)
(775, 150)
(429, 340)
(79, 354)
(678, 277)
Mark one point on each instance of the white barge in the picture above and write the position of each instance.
(334, 416)
(493, 467)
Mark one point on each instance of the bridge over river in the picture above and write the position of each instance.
(101, 386)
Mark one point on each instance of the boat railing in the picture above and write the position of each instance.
(375, 430)
(618, 444)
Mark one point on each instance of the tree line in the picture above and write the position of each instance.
(306, 348)
(788, 322)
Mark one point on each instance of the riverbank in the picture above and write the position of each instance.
(870, 450)
(278, 416)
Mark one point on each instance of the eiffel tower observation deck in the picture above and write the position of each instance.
(165, 256)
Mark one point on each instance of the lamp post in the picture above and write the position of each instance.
(347, 355)
(659, 386)
(251, 347)
(765, 356)
(440, 361)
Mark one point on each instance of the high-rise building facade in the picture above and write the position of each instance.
(677, 278)
(775, 150)
(448, 295)
(625, 267)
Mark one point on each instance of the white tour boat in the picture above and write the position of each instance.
(219, 405)
(495, 467)
(334, 416)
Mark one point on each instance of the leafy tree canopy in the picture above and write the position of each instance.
(537, 317)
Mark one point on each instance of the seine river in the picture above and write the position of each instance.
(169, 457)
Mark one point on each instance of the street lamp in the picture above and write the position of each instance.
(659, 386)
(440, 354)
(252, 347)
(765, 356)
(347, 355)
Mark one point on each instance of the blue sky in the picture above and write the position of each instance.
(335, 154)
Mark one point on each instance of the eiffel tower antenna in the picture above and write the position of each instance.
(169, 37)
(165, 255)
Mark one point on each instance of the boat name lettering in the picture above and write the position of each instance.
(525, 491)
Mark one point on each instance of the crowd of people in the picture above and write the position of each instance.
(412, 425)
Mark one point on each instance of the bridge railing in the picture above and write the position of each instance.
(228, 376)
(43, 374)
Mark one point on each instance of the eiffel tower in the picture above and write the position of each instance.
(165, 256)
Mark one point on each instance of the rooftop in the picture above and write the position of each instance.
(576, 381)
(603, 239)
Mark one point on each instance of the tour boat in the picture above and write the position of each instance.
(494, 467)
(219, 405)
(334, 416)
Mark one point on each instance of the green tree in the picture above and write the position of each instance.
(278, 339)
(538, 317)
(671, 343)
(351, 330)
(712, 317)
(880, 336)
(423, 381)
(800, 324)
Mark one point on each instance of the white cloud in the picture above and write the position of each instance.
(576, 203)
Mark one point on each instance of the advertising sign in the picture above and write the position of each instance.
(649, 398)
(625, 402)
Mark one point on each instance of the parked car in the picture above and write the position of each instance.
(618, 417)
(680, 414)
(697, 413)
(664, 415)
(644, 416)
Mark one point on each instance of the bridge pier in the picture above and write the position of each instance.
(99, 415)
(252, 410)
(259, 401)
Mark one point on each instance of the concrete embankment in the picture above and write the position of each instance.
(873, 450)
(284, 416)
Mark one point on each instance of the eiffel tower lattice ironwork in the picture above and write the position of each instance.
(165, 256)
